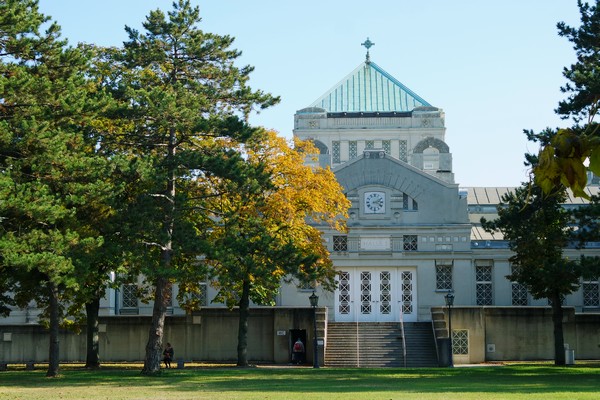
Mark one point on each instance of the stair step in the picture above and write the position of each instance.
(380, 345)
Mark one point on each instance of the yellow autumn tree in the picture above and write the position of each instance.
(265, 228)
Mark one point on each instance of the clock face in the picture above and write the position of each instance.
(375, 202)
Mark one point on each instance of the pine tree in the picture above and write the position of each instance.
(180, 91)
(49, 170)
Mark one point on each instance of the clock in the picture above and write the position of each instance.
(375, 202)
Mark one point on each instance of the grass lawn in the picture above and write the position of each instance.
(518, 381)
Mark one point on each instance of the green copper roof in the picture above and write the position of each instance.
(369, 89)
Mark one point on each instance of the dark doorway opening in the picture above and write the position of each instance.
(295, 334)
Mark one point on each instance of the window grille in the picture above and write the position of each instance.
(202, 295)
(369, 144)
(335, 149)
(460, 341)
(443, 276)
(340, 243)
(410, 242)
(344, 293)
(365, 292)
(353, 149)
(385, 293)
(591, 293)
(519, 292)
(483, 285)
(403, 151)
(520, 295)
(407, 292)
(130, 299)
(387, 146)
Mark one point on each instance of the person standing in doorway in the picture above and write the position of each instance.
(298, 352)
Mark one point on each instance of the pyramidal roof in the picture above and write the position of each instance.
(369, 89)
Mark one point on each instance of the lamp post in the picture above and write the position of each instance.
(449, 303)
(314, 302)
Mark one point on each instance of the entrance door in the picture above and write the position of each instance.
(375, 295)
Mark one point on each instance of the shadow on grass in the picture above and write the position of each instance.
(506, 379)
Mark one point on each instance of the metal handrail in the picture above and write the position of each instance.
(403, 336)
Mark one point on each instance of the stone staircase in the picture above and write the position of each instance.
(380, 345)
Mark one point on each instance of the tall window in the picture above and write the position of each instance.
(340, 243)
(483, 285)
(410, 242)
(387, 146)
(403, 151)
(130, 299)
(519, 293)
(335, 149)
(591, 293)
(202, 295)
(443, 275)
(353, 149)
(460, 341)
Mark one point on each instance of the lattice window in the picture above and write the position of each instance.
(385, 292)
(443, 275)
(404, 201)
(369, 144)
(519, 294)
(407, 292)
(403, 151)
(460, 341)
(591, 293)
(335, 150)
(340, 243)
(387, 146)
(410, 242)
(483, 285)
(344, 293)
(353, 149)
(130, 299)
(201, 296)
(365, 292)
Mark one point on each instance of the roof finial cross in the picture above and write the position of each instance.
(368, 44)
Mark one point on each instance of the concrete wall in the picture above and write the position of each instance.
(524, 333)
(209, 335)
(495, 334)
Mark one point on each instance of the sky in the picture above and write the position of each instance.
(494, 67)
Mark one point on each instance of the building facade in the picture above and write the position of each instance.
(413, 234)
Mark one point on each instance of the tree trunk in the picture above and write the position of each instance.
(155, 335)
(242, 348)
(162, 284)
(53, 354)
(557, 320)
(93, 347)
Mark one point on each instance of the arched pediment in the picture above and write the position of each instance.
(431, 142)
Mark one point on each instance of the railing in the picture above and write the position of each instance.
(403, 335)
